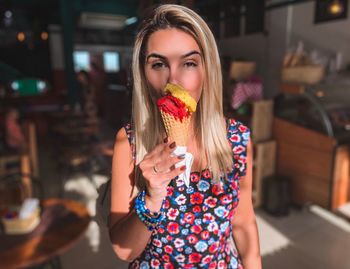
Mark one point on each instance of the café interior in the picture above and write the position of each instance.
(66, 90)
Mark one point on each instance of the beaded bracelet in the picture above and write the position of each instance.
(150, 219)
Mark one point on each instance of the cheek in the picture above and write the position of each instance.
(193, 82)
(156, 80)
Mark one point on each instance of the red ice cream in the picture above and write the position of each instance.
(173, 106)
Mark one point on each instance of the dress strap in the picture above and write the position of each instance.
(238, 134)
(131, 137)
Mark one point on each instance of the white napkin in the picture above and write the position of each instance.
(185, 176)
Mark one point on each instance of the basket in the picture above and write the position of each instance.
(242, 70)
(22, 226)
(309, 74)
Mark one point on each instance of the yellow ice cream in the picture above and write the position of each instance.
(178, 92)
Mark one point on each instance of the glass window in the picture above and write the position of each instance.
(111, 61)
(81, 60)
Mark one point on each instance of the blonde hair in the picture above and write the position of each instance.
(211, 131)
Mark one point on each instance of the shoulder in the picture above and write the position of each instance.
(121, 141)
(121, 135)
(125, 133)
(124, 140)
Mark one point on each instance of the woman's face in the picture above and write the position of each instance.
(173, 56)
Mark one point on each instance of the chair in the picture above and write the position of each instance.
(22, 166)
(15, 181)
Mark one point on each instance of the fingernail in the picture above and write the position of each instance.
(165, 140)
(172, 145)
(183, 168)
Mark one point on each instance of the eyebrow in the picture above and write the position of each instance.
(156, 55)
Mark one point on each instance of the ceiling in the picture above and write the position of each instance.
(34, 16)
(125, 7)
(49, 11)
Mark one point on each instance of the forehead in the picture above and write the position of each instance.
(171, 41)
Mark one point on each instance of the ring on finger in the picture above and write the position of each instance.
(155, 170)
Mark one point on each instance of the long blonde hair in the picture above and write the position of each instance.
(209, 122)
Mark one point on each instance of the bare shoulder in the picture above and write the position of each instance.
(121, 143)
(121, 136)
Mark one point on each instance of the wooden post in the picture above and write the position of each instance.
(340, 177)
(262, 120)
(26, 180)
(264, 166)
(33, 149)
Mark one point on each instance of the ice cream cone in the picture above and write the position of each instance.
(176, 109)
(176, 130)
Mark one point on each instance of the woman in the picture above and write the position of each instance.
(192, 226)
(15, 139)
(87, 96)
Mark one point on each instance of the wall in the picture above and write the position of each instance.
(285, 27)
(266, 50)
(252, 47)
(276, 24)
(332, 37)
(57, 58)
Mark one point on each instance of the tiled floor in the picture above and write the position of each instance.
(315, 242)
(82, 256)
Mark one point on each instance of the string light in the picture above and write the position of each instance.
(44, 36)
(336, 7)
(21, 36)
(8, 14)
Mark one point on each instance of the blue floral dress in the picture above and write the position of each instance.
(196, 232)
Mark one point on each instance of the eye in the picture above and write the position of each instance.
(158, 65)
(191, 64)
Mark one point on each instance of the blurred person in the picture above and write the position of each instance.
(98, 78)
(156, 221)
(87, 96)
(2, 91)
(14, 136)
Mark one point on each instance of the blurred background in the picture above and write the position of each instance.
(65, 90)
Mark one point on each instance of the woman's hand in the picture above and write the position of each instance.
(158, 169)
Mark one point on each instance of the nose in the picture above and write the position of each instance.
(173, 76)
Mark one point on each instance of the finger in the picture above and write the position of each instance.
(157, 154)
(174, 173)
(168, 150)
(164, 154)
(167, 146)
(151, 158)
(150, 169)
(160, 153)
(168, 163)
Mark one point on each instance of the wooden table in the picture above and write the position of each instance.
(63, 223)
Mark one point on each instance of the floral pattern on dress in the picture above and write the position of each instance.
(196, 232)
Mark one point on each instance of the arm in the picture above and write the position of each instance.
(15, 131)
(245, 232)
(128, 235)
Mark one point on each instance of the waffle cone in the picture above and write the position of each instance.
(176, 129)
